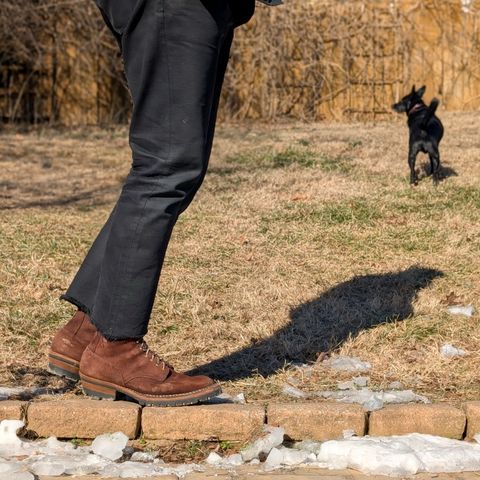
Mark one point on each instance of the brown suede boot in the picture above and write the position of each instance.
(69, 344)
(129, 367)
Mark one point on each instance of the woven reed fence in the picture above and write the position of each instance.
(309, 59)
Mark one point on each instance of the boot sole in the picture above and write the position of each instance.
(63, 366)
(105, 390)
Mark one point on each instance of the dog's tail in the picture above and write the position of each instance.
(431, 109)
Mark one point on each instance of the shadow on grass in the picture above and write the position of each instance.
(324, 323)
(88, 198)
(445, 172)
(30, 382)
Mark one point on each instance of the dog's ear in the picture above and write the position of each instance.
(421, 91)
(413, 89)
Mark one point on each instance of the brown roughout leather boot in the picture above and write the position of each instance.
(68, 346)
(130, 368)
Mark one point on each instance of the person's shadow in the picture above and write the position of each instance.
(323, 324)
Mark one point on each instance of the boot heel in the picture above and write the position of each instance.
(98, 391)
(63, 368)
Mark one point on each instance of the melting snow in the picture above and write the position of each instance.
(20, 459)
(349, 364)
(448, 351)
(293, 391)
(397, 455)
(110, 445)
(467, 311)
(400, 455)
(273, 437)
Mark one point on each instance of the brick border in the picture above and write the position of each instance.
(86, 418)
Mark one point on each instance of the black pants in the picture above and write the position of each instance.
(175, 54)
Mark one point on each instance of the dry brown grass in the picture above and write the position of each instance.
(305, 238)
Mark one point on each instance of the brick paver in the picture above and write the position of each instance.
(12, 410)
(472, 410)
(438, 419)
(317, 421)
(83, 418)
(223, 422)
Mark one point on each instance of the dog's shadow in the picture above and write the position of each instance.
(323, 324)
(444, 172)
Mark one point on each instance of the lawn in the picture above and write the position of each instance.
(305, 240)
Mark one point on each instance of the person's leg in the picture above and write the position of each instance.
(83, 288)
(171, 53)
(222, 66)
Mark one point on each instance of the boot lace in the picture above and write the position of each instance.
(153, 356)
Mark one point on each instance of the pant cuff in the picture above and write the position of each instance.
(75, 302)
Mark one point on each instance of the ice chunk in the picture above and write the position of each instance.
(85, 464)
(346, 385)
(467, 311)
(8, 432)
(375, 402)
(293, 391)
(214, 459)
(110, 445)
(274, 459)
(372, 457)
(296, 457)
(48, 467)
(136, 469)
(240, 398)
(361, 381)
(17, 476)
(403, 396)
(10, 467)
(183, 470)
(227, 398)
(130, 470)
(349, 364)
(144, 457)
(400, 455)
(255, 461)
(372, 400)
(233, 460)
(230, 461)
(447, 350)
(308, 446)
(289, 457)
(272, 437)
(348, 433)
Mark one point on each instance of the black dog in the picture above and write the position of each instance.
(426, 131)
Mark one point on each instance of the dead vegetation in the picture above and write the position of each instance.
(313, 60)
(306, 239)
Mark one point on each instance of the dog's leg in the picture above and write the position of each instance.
(435, 160)
(434, 163)
(412, 156)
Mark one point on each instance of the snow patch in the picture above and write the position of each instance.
(110, 445)
(348, 364)
(447, 350)
(467, 311)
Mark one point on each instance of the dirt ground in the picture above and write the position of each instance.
(305, 240)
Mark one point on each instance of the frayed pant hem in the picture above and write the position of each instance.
(75, 302)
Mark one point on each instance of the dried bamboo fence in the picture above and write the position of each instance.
(310, 60)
